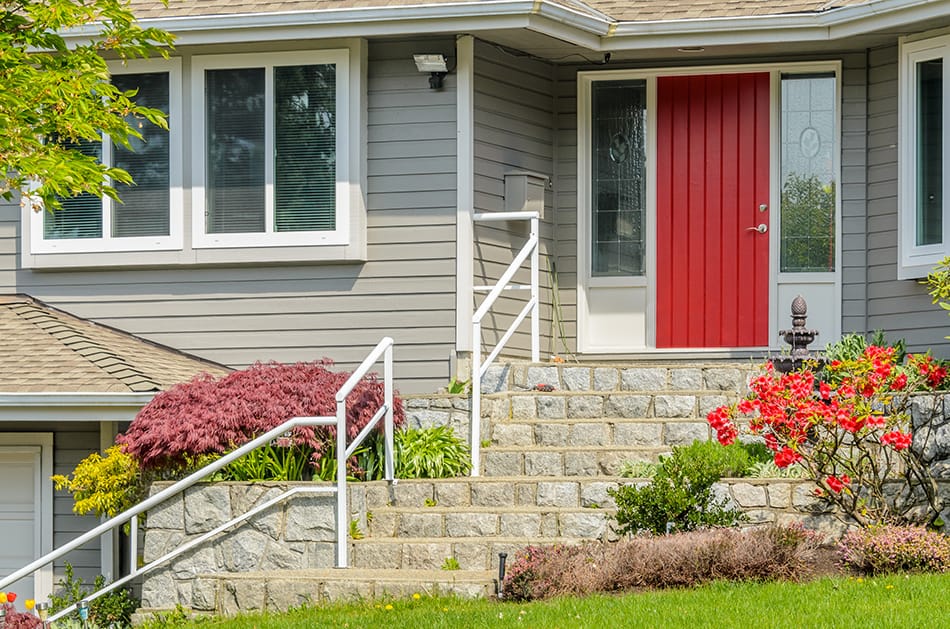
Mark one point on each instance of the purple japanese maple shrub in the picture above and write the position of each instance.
(211, 416)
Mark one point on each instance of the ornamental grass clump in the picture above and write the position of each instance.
(881, 549)
(860, 430)
(680, 560)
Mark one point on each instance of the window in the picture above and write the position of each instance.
(618, 173)
(808, 204)
(924, 220)
(271, 157)
(149, 215)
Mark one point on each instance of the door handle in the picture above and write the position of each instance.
(762, 228)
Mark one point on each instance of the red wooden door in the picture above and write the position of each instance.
(712, 177)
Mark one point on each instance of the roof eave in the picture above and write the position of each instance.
(71, 406)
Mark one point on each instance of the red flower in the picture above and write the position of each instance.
(897, 439)
(899, 382)
(11, 597)
(786, 456)
(835, 484)
(824, 390)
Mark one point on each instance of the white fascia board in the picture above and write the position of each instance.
(369, 22)
(55, 406)
(835, 24)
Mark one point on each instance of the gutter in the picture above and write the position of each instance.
(56, 399)
(597, 34)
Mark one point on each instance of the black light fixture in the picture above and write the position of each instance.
(435, 65)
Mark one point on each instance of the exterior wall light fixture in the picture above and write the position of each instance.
(435, 65)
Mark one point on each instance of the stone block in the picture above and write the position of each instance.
(462, 403)
(284, 594)
(638, 434)
(168, 515)
(524, 407)
(558, 494)
(585, 406)
(627, 406)
(759, 516)
(520, 525)
(420, 525)
(643, 379)
(576, 378)
(552, 407)
(376, 556)
(310, 519)
(686, 379)
(201, 560)
(685, 433)
(489, 494)
(158, 590)
(724, 379)
(346, 591)
(526, 494)
(594, 495)
(413, 493)
(552, 434)
(428, 418)
(378, 494)
(589, 434)
(281, 557)
(709, 403)
(501, 463)
(453, 494)
(472, 555)
(411, 402)
(673, 406)
(721, 493)
(425, 556)
(805, 500)
(606, 379)
(495, 379)
(242, 550)
(240, 595)
(580, 464)
(543, 464)
(203, 595)
(319, 555)
(549, 526)
(780, 495)
(609, 463)
(382, 524)
(588, 524)
(471, 524)
(749, 495)
(206, 506)
(513, 434)
(543, 375)
(161, 541)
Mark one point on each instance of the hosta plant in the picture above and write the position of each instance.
(852, 426)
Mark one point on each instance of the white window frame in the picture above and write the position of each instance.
(173, 241)
(345, 144)
(916, 261)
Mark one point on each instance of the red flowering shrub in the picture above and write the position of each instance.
(853, 431)
(211, 416)
(880, 549)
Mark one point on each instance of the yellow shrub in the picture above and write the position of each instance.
(104, 485)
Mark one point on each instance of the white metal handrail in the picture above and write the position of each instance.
(383, 349)
(480, 367)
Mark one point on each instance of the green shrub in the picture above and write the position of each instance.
(112, 609)
(881, 549)
(680, 496)
(280, 462)
(431, 453)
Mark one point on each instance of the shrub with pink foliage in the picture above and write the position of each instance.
(211, 416)
(887, 548)
(19, 620)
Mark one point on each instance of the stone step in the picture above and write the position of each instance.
(627, 433)
(563, 461)
(686, 404)
(496, 492)
(728, 376)
(471, 553)
(454, 522)
(279, 591)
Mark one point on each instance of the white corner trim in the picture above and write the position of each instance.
(465, 191)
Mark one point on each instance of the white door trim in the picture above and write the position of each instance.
(585, 282)
(43, 502)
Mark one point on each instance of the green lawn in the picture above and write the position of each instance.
(918, 601)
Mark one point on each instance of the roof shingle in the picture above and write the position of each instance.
(45, 349)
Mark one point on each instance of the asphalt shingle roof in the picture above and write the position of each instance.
(618, 10)
(45, 349)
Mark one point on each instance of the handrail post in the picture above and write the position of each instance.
(476, 428)
(390, 462)
(535, 292)
(342, 528)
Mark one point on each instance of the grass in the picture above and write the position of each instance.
(917, 601)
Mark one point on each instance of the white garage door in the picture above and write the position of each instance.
(23, 523)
